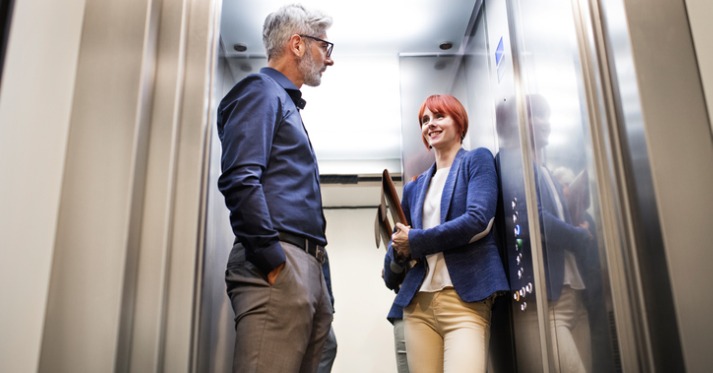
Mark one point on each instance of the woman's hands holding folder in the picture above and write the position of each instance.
(399, 241)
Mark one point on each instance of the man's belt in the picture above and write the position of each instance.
(310, 247)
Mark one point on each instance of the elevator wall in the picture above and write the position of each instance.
(663, 108)
(699, 12)
(33, 144)
(104, 112)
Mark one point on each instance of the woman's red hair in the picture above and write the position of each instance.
(449, 106)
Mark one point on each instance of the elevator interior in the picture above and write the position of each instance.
(536, 95)
(114, 240)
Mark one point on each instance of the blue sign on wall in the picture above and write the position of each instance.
(499, 52)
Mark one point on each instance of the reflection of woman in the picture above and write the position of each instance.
(447, 295)
(569, 250)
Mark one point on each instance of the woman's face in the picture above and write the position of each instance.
(439, 130)
(541, 128)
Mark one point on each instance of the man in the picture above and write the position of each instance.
(271, 186)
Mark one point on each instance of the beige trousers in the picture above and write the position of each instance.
(569, 325)
(445, 334)
(570, 336)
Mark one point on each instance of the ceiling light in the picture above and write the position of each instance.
(446, 45)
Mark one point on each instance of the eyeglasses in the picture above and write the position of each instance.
(327, 46)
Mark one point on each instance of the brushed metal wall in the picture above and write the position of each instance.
(126, 246)
(667, 151)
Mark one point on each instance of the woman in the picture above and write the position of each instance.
(448, 294)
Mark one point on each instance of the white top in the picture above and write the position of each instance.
(437, 276)
(572, 277)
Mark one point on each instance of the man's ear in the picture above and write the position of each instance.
(296, 45)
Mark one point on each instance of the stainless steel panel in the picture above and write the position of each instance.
(102, 171)
(598, 88)
(33, 144)
(123, 282)
(216, 332)
(666, 138)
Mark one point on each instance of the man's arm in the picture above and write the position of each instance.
(250, 119)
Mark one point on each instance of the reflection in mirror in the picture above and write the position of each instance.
(580, 310)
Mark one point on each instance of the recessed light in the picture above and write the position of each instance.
(446, 45)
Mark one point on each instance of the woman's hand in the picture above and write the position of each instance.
(399, 241)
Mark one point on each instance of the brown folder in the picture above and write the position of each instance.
(389, 211)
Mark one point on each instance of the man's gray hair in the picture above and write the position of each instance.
(289, 20)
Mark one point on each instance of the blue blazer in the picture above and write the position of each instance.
(465, 235)
(560, 236)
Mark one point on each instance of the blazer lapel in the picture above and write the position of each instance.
(447, 195)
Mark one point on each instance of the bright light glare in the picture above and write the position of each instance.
(355, 112)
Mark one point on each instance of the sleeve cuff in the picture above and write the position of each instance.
(267, 258)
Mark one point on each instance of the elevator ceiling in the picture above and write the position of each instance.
(365, 27)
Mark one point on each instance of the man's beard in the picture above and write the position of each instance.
(310, 70)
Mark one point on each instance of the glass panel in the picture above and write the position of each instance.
(580, 311)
